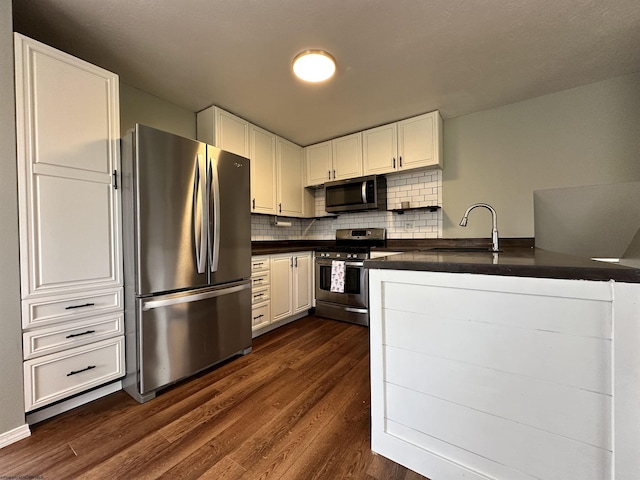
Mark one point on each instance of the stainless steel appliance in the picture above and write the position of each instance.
(352, 248)
(356, 194)
(187, 254)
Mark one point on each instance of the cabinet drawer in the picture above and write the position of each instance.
(259, 264)
(260, 279)
(261, 315)
(43, 341)
(260, 294)
(60, 375)
(50, 310)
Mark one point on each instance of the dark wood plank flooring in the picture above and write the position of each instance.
(297, 407)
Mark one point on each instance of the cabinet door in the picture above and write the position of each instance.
(319, 163)
(419, 142)
(232, 133)
(302, 271)
(347, 157)
(68, 150)
(263, 171)
(281, 286)
(379, 150)
(290, 179)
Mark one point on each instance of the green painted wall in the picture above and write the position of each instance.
(584, 136)
(11, 396)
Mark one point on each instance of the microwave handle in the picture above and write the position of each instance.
(364, 192)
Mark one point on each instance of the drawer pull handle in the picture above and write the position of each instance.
(80, 334)
(259, 316)
(258, 280)
(258, 295)
(73, 372)
(79, 306)
(257, 264)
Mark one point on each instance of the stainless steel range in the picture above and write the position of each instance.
(342, 281)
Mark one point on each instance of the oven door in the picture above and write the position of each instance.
(356, 284)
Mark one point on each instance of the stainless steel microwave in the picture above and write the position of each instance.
(356, 194)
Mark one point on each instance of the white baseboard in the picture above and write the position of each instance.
(58, 408)
(12, 436)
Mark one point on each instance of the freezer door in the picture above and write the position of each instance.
(229, 191)
(170, 213)
(181, 334)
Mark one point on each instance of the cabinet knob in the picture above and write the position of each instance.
(280, 207)
(253, 203)
(329, 175)
(334, 174)
(400, 158)
(394, 162)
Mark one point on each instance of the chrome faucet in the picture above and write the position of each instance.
(494, 216)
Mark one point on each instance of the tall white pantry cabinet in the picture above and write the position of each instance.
(67, 113)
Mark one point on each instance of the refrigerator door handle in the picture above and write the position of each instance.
(214, 210)
(176, 299)
(198, 221)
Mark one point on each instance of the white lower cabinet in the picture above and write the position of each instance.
(484, 376)
(59, 375)
(282, 289)
(281, 286)
(302, 294)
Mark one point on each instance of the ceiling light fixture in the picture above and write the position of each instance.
(314, 65)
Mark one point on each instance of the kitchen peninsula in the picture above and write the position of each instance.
(521, 364)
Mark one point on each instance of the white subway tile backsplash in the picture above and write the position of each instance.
(419, 188)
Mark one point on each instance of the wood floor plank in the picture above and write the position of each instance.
(296, 407)
(301, 439)
(308, 407)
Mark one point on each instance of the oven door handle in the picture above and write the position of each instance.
(354, 264)
(347, 264)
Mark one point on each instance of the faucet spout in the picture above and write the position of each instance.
(494, 217)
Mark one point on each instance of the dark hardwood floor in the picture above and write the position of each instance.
(297, 407)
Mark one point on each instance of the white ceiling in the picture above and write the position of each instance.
(396, 58)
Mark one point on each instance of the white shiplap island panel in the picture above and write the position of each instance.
(495, 377)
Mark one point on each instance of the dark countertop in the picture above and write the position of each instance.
(518, 259)
(512, 261)
(268, 247)
(287, 246)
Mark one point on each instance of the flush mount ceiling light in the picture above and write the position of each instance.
(314, 65)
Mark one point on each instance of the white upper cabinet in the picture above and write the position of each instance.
(412, 143)
(277, 165)
(223, 130)
(290, 170)
(263, 171)
(347, 156)
(337, 159)
(380, 149)
(68, 126)
(319, 163)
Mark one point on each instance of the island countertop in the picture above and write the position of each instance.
(518, 262)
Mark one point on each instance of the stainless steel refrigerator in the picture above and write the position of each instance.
(187, 254)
